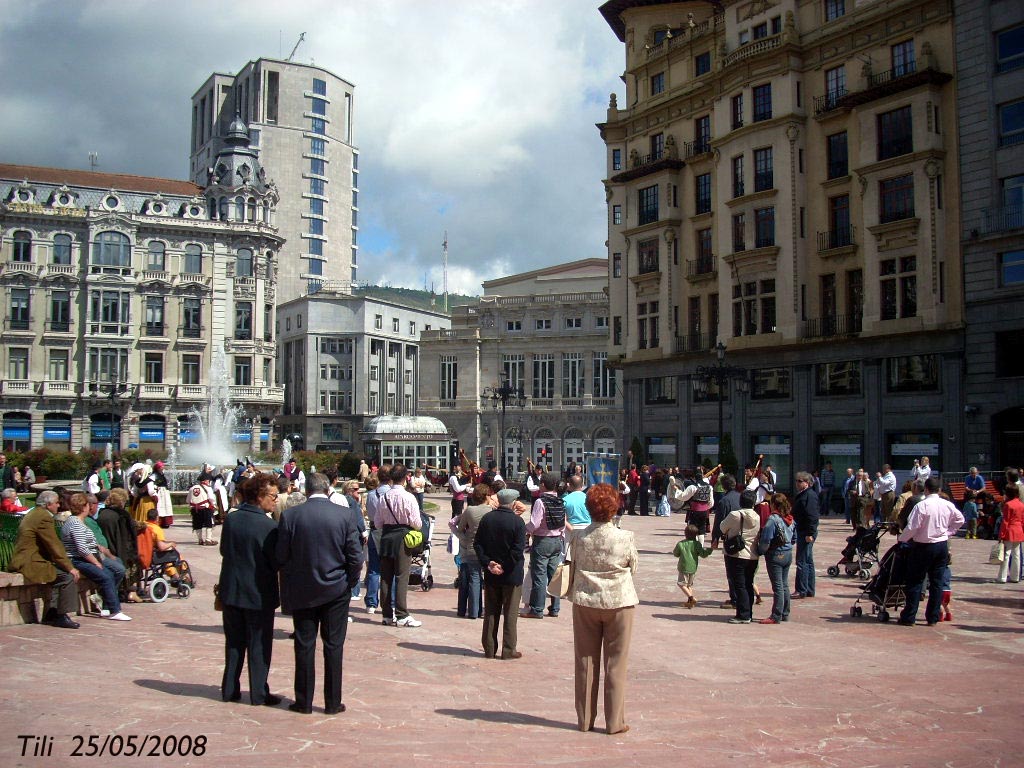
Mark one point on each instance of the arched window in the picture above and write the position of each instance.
(62, 249)
(193, 260)
(212, 208)
(240, 208)
(223, 209)
(243, 264)
(155, 257)
(22, 246)
(252, 210)
(112, 249)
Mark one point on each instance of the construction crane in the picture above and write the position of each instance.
(302, 36)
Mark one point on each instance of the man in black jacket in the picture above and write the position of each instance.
(500, 545)
(805, 515)
(320, 552)
(726, 503)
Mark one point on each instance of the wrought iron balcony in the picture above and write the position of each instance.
(835, 238)
(649, 264)
(693, 342)
(829, 101)
(702, 265)
(832, 325)
(698, 147)
(892, 74)
(1003, 219)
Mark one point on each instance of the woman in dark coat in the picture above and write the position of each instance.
(249, 589)
(118, 526)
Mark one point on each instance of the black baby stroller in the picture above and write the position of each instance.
(419, 566)
(861, 551)
(887, 590)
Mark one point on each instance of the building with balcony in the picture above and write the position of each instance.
(300, 120)
(781, 179)
(546, 332)
(990, 106)
(346, 358)
(122, 297)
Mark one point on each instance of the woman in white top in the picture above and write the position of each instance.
(418, 486)
(741, 565)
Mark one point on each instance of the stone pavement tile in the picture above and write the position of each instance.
(823, 689)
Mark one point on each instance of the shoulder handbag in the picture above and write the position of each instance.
(997, 554)
(561, 583)
(735, 544)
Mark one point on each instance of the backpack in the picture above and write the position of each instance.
(701, 499)
(554, 512)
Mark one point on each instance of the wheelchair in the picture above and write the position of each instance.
(157, 581)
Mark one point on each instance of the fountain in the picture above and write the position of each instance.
(213, 427)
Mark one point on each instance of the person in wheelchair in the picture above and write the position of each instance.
(164, 552)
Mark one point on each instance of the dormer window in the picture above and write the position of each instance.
(111, 202)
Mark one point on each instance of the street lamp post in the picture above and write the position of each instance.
(504, 396)
(518, 435)
(721, 374)
(112, 390)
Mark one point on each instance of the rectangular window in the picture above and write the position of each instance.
(736, 110)
(192, 318)
(542, 324)
(763, 170)
(319, 107)
(657, 146)
(449, 377)
(616, 265)
(855, 298)
(155, 261)
(318, 147)
(660, 390)
(514, 369)
(316, 186)
(834, 379)
(1011, 123)
(1011, 268)
(898, 287)
(895, 133)
(702, 63)
(243, 371)
(647, 199)
(62, 249)
(601, 321)
(914, 373)
(737, 176)
(764, 227)
(617, 330)
(573, 322)
(193, 260)
(154, 315)
(616, 215)
(647, 251)
(319, 86)
(770, 384)
(705, 259)
(243, 320)
(604, 377)
(317, 166)
(903, 59)
(702, 134)
(153, 367)
(1010, 49)
(412, 328)
(840, 233)
(110, 311)
(657, 83)
(838, 163)
(834, 9)
(378, 322)
(514, 325)
(896, 198)
(543, 376)
(318, 125)
(20, 306)
(190, 369)
(108, 364)
(60, 311)
(58, 370)
(762, 102)
(616, 159)
(702, 201)
(572, 374)
(394, 325)
(17, 363)
(761, 30)
(739, 235)
(828, 303)
(835, 87)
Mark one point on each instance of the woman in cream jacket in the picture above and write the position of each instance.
(601, 590)
(740, 567)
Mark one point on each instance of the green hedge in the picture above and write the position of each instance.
(63, 465)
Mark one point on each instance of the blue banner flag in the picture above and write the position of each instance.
(602, 469)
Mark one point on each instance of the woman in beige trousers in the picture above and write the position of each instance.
(601, 590)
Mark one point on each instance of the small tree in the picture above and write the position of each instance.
(727, 456)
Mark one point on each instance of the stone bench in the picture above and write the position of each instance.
(22, 603)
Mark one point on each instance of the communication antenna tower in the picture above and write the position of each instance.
(444, 267)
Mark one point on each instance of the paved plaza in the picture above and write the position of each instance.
(824, 689)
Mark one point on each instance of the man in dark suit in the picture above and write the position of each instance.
(248, 590)
(805, 515)
(500, 544)
(6, 473)
(41, 558)
(320, 551)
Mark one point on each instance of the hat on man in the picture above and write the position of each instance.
(507, 496)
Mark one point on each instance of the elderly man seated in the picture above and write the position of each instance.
(10, 503)
(40, 557)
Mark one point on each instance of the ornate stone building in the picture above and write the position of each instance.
(544, 331)
(781, 179)
(127, 298)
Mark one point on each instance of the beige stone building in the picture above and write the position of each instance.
(124, 304)
(782, 179)
(300, 121)
(544, 332)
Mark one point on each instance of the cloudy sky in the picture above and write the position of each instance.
(472, 116)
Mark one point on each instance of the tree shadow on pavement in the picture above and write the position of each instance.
(509, 718)
(719, 618)
(441, 649)
(192, 690)
(217, 629)
(999, 602)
